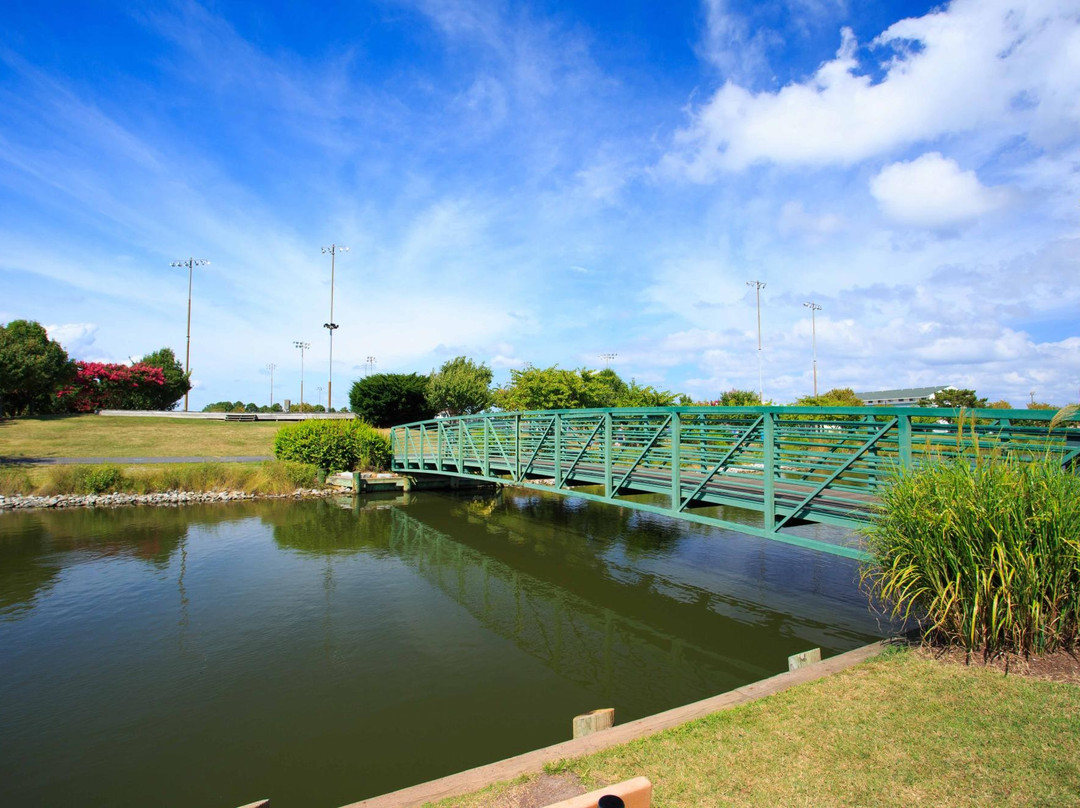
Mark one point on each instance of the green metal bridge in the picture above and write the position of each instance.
(793, 465)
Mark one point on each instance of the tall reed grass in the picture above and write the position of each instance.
(983, 551)
(270, 477)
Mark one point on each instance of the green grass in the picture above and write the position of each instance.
(118, 436)
(899, 730)
(268, 477)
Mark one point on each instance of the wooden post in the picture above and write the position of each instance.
(594, 721)
(810, 657)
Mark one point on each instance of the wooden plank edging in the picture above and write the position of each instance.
(482, 776)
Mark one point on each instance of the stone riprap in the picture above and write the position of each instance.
(8, 503)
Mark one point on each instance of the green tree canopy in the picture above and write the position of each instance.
(32, 368)
(177, 383)
(837, 397)
(954, 398)
(387, 399)
(740, 398)
(460, 387)
(556, 389)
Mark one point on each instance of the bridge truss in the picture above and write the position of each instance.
(793, 465)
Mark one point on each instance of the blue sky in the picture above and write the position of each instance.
(547, 182)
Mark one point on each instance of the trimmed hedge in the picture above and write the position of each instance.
(333, 445)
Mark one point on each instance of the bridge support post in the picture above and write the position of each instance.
(439, 446)
(423, 434)
(558, 450)
(904, 440)
(461, 445)
(676, 461)
(769, 469)
(517, 447)
(607, 455)
(487, 450)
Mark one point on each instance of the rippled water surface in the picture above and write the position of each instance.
(321, 652)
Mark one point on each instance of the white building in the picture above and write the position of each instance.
(906, 397)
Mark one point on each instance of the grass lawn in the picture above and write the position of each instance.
(118, 436)
(899, 730)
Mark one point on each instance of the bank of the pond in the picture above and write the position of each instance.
(116, 500)
(902, 729)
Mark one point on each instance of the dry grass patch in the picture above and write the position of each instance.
(899, 730)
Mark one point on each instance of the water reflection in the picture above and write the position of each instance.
(229, 638)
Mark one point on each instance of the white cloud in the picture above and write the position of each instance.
(932, 191)
(76, 338)
(732, 44)
(796, 220)
(977, 64)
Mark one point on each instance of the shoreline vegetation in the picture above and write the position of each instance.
(266, 478)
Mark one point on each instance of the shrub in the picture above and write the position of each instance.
(333, 445)
(101, 479)
(984, 553)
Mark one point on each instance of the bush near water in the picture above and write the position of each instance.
(333, 445)
(983, 552)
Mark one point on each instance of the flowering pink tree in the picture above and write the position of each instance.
(101, 386)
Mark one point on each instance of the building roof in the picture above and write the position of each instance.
(907, 392)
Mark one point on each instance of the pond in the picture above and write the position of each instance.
(321, 652)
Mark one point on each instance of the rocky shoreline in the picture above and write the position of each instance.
(10, 503)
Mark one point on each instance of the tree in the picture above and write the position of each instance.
(556, 389)
(535, 388)
(740, 398)
(107, 386)
(32, 368)
(177, 383)
(387, 399)
(837, 397)
(460, 387)
(954, 398)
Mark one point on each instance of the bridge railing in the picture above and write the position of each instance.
(793, 464)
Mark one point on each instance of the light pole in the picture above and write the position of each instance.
(190, 263)
(813, 337)
(758, 285)
(606, 358)
(271, 367)
(303, 346)
(370, 365)
(331, 326)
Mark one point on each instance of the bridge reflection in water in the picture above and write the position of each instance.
(645, 594)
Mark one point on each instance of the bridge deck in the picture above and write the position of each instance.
(792, 465)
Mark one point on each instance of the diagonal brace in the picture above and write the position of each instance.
(536, 451)
(839, 470)
(580, 454)
(743, 439)
(641, 456)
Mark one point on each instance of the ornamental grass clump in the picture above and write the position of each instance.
(984, 552)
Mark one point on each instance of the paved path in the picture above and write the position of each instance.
(127, 461)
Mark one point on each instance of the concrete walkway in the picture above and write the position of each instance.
(126, 461)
